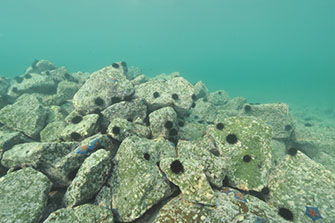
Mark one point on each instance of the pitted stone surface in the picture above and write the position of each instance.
(214, 167)
(191, 181)
(52, 131)
(298, 182)
(69, 165)
(276, 115)
(27, 115)
(24, 195)
(120, 129)
(90, 177)
(86, 213)
(38, 66)
(87, 127)
(177, 85)
(253, 139)
(158, 120)
(42, 156)
(135, 110)
(137, 183)
(107, 84)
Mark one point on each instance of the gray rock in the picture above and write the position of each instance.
(134, 72)
(52, 132)
(236, 138)
(4, 85)
(203, 111)
(26, 115)
(103, 88)
(86, 213)
(81, 77)
(200, 90)
(104, 198)
(218, 97)
(278, 151)
(134, 110)
(188, 175)
(276, 115)
(42, 156)
(177, 85)
(191, 131)
(120, 129)
(65, 91)
(137, 183)
(33, 83)
(90, 177)
(158, 120)
(38, 66)
(299, 182)
(139, 80)
(65, 168)
(207, 157)
(24, 195)
(88, 126)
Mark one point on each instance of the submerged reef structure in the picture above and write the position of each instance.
(117, 146)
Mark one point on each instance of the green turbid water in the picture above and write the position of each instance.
(263, 50)
(160, 111)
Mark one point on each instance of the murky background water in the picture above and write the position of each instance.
(266, 51)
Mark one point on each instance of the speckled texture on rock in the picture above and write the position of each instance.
(137, 183)
(166, 89)
(106, 84)
(213, 165)
(253, 139)
(68, 165)
(27, 115)
(121, 128)
(276, 115)
(86, 213)
(135, 110)
(298, 182)
(87, 127)
(90, 177)
(191, 181)
(23, 196)
(158, 119)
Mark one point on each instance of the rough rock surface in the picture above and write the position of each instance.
(299, 182)
(24, 194)
(105, 87)
(137, 183)
(90, 177)
(86, 213)
(27, 115)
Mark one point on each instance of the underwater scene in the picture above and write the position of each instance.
(166, 111)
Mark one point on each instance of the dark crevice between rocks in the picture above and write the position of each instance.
(55, 202)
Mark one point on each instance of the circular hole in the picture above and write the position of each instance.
(292, 151)
(246, 158)
(220, 126)
(288, 127)
(146, 156)
(181, 124)
(231, 138)
(75, 136)
(177, 167)
(76, 119)
(168, 124)
(98, 101)
(116, 130)
(247, 108)
(155, 94)
(175, 96)
(286, 214)
(265, 191)
(173, 132)
(115, 65)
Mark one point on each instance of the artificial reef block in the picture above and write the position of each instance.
(298, 183)
(86, 213)
(23, 196)
(90, 177)
(189, 175)
(244, 144)
(137, 183)
(102, 89)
